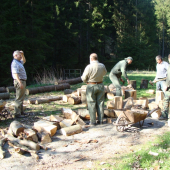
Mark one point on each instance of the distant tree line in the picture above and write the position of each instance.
(62, 33)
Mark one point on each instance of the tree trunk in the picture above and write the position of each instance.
(3, 90)
(55, 98)
(10, 89)
(39, 101)
(66, 97)
(110, 96)
(71, 81)
(4, 96)
(74, 100)
(68, 91)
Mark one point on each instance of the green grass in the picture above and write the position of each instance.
(141, 158)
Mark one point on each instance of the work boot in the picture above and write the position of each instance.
(99, 122)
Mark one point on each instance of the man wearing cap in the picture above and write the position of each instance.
(116, 72)
(19, 75)
(161, 67)
(93, 76)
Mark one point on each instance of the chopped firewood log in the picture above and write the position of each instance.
(79, 92)
(2, 153)
(128, 103)
(43, 146)
(15, 128)
(18, 148)
(145, 98)
(153, 105)
(42, 125)
(67, 131)
(74, 100)
(84, 114)
(55, 98)
(110, 105)
(31, 135)
(66, 123)
(39, 101)
(140, 102)
(130, 93)
(55, 118)
(22, 135)
(110, 96)
(46, 118)
(159, 96)
(28, 143)
(116, 103)
(44, 137)
(68, 91)
(109, 113)
(69, 114)
(66, 97)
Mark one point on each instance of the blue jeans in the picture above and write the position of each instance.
(160, 85)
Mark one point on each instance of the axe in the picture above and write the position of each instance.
(151, 82)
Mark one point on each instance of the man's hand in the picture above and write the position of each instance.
(128, 81)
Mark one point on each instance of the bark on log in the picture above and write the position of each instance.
(71, 81)
(68, 91)
(39, 101)
(66, 97)
(4, 96)
(42, 125)
(74, 94)
(130, 93)
(128, 103)
(62, 87)
(55, 98)
(133, 83)
(15, 128)
(44, 137)
(3, 90)
(84, 114)
(2, 153)
(31, 135)
(10, 89)
(71, 130)
(31, 101)
(144, 84)
(28, 143)
(74, 100)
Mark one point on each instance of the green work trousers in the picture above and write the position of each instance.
(165, 109)
(95, 101)
(116, 84)
(20, 95)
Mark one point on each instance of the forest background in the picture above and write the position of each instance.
(60, 34)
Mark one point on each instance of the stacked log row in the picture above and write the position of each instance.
(4, 96)
(71, 81)
(2, 90)
(47, 89)
(10, 89)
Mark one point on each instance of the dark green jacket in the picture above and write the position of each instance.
(120, 68)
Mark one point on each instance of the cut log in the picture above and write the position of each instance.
(4, 96)
(55, 98)
(152, 105)
(74, 100)
(66, 123)
(28, 143)
(79, 92)
(56, 118)
(84, 114)
(110, 104)
(62, 86)
(44, 137)
(68, 91)
(140, 102)
(2, 152)
(83, 97)
(128, 103)
(74, 94)
(67, 131)
(144, 84)
(145, 98)
(39, 101)
(130, 93)
(66, 97)
(3, 90)
(118, 102)
(118, 112)
(110, 96)
(31, 135)
(31, 101)
(10, 89)
(109, 120)
(133, 83)
(15, 128)
(42, 125)
(159, 96)
(156, 114)
(109, 113)
(71, 81)
(150, 91)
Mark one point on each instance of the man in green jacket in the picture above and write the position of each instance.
(116, 72)
(165, 109)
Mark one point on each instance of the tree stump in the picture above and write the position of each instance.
(144, 84)
(133, 83)
(130, 93)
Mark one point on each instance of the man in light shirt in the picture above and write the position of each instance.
(93, 76)
(161, 67)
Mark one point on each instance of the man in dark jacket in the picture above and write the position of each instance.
(116, 72)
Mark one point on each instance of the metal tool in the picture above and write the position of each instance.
(151, 82)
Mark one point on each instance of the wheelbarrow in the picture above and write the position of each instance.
(129, 117)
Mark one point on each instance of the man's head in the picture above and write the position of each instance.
(17, 55)
(93, 57)
(158, 59)
(129, 60)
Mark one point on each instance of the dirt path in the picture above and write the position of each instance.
(78, 152)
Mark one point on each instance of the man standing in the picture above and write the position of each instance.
(161, 67)
(19, 75)
(116, 72)
(93, 76)
(165, 109)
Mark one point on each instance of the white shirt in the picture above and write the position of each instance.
(161, 70)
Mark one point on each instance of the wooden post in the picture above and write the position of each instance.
(130, 93)
(159, 96)
(133, 83)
